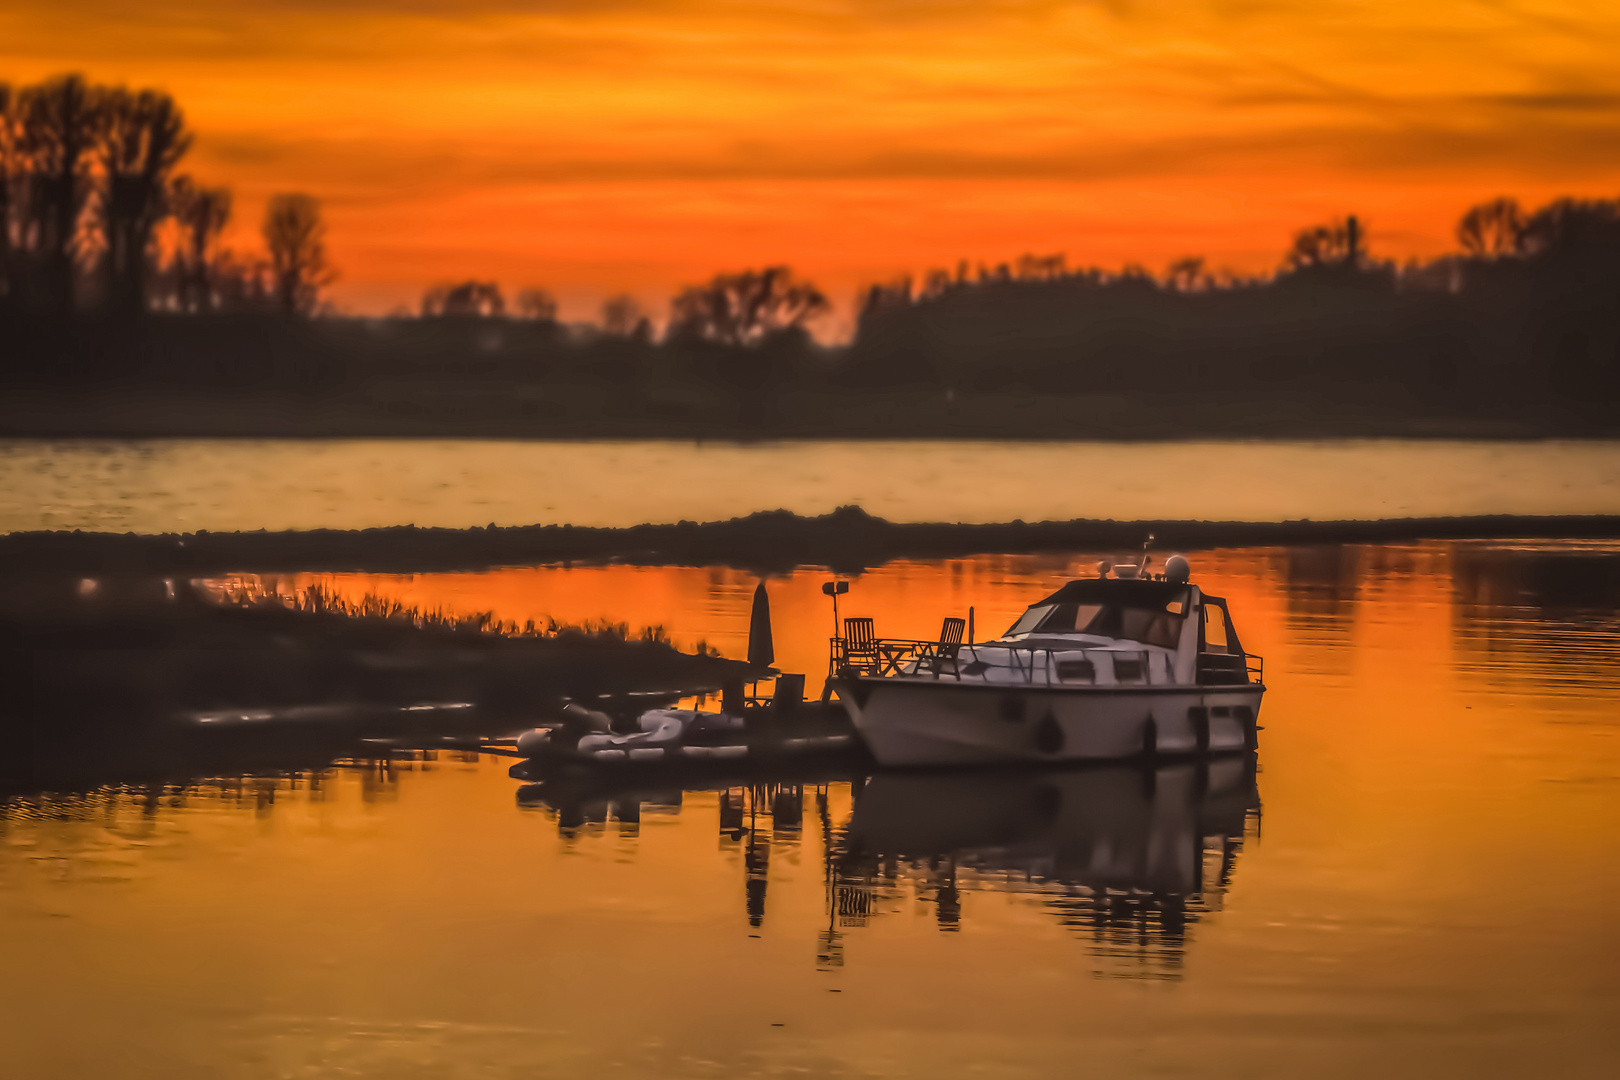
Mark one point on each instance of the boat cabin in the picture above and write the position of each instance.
(1104, 631)
(1173, 624)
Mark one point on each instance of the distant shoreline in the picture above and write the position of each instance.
(744, 439)
(436, 411)
(1424, 434)
(848, 540)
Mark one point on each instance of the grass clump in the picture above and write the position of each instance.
(320, 601)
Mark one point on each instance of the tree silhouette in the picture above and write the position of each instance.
(296, 238)
(1042, 267)
(1569, 226)
(1187, 274)
(743, 309)
(1523, 320)
(200, 214)
(464, 299)
(58, 128)
(622, 317)
(8, 180)
(1338, 243)
(1492, 230)
(936, 282)
(893, 295)
(241, 283)
(537, 304)
(143, 136)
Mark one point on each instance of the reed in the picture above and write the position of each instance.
(321, 601)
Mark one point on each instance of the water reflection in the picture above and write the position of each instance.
(376, 781)
(1470, 605)
(1543, 617)
(1128, 858)
(1438, 712)
(1320, 583)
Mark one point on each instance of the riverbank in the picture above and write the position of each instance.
(847, 540)
(140, 677)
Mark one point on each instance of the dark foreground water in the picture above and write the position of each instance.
(1416, 878)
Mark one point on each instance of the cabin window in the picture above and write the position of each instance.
(1076, 670)
(1161, 628)
(1129, 670)
(1059, 621)
(1071, 618)
(1153, 625)
(1030, 619)
(1063, 618)
(1215, 636)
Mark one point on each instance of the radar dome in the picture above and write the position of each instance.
(1176, 569)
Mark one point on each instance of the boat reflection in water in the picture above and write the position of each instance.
(1128, 856)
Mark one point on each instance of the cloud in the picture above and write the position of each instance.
(1445, 137)
(1554, 102)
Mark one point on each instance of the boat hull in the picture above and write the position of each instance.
(920, 722)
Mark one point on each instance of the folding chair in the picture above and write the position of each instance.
(860, 646)
(942, 656)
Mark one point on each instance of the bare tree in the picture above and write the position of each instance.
(58, 126)
(8, 180)
(200, 215)
(1338, 243)
(1492, 229)
(464, 299)
(742, 309)
(143, 137)
(296, 238)
(537, 304)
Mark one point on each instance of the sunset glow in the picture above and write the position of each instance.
(604, 145)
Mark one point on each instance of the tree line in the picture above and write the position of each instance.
(1527, 292)
(96, 216)
(739, 310)
(1527, 307)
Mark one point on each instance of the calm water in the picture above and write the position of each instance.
(225, 485)
(1418, 881)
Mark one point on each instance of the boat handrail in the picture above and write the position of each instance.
(893, 656)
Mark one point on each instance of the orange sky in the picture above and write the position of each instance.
(591, 146)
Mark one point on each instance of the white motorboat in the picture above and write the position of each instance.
(1105, 668)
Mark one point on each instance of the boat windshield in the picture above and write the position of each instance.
(1145, 621)
(1029, 620)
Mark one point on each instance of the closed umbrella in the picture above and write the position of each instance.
(761, 652)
